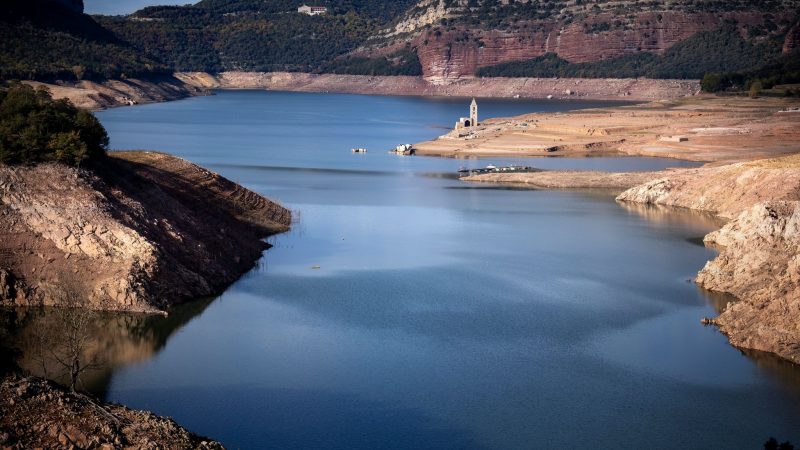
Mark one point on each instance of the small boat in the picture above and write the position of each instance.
(359, 150)
(404, 149)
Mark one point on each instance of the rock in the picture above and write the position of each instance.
(759, 260)
(7, 282)
(77, 437)
(458, 51)
(759, 264)
(726, 190)
(79, 424)
(125, 224)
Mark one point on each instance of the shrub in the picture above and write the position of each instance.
(712, 82)
(755, 89)
(35, 128)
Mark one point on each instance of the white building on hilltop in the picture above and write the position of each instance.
(312, 10)
(472, 120)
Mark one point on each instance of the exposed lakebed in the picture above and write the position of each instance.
(407, 309)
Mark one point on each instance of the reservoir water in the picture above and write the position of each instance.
(442, 314)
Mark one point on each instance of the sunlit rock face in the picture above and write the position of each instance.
(460, 51)
(136, 234)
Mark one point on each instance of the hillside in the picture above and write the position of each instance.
(441, 40)
(53, 39)
(253, 35)
(457, 38)
(449, 39)
(140, 232)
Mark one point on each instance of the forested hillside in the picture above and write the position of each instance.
(438, 39)
(253, 35)
(43, 40)
(707, 51)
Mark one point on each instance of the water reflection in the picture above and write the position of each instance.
(671, 217)
(785, 373)
(115, 340)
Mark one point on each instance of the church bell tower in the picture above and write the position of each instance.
(473, 113)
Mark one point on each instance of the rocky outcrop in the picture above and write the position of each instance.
(759, 261)
(140, 231)
(601, 89)
(726, 190)
(759, 264)
(460, 51)
(426, 12)
(39, 414)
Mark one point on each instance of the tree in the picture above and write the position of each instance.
(74, 330)
(755, 89)
(68, 147)
(712, 82)
(35, 128)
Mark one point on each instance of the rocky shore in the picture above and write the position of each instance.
(113, 93)
(633, 89)
(94, 95)
(139, 231)
(759, 260)
(569, 179)
(35, 413)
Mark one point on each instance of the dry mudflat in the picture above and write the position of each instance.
(751, 180)
(638, 89)
(710, 129)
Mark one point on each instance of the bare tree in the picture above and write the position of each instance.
(73, 333)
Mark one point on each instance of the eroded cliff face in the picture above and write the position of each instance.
(759, 261)
(725, 190)
(139, 232)
(460, 51)
(759, 264)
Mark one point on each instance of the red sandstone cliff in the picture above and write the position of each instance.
(461, 51)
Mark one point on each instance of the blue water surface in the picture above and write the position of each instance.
(406, 309)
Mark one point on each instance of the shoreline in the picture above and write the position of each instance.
(140, 232)
(705, 129)
(94, 95)
(758, 244)
(625, 89)
(41, 414)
